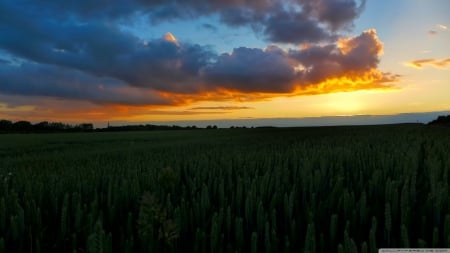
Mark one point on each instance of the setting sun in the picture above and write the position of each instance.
(346, 103)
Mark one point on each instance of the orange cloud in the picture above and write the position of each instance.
(370, 80)
(375, 46)
(54, 110)
(348, 81)
(49, 109)
(221, 108)
(437, 63)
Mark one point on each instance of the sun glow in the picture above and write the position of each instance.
(344, 103)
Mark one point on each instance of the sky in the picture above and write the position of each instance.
(157, 61)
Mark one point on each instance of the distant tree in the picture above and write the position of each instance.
(5, 125)
(441, 120)
(42, 126)
(22, 126)
(55, 126)
(87, 126)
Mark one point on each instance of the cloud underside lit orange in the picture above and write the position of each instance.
(244, 75)
(437, 63)
(369, 80)
(78, 111)
(350, 65)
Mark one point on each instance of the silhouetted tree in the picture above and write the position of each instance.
(42, 126)
(22, 126)
(86, 126)
(5, 125)
(57, 126)
(441, 120)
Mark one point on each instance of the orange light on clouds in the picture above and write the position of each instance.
(369, 80)
(169, 37)
(346, 45)
(419, 64)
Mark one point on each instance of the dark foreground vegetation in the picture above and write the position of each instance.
(328, 189)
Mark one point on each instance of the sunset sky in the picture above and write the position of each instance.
(166, 60)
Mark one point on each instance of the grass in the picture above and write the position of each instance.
(226, 190)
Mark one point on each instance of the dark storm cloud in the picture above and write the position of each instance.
(291, 27)
(239, 16)
(301, 18)
(163, 65)
(287, 21)
(76, 49)
(336, 13)
(52, 81)
(252, 69)
(103, 50)
(45, 40)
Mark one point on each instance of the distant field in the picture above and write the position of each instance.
(324, 189)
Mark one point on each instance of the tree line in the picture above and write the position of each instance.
(22, 126)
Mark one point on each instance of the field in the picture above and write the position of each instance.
(327, 189)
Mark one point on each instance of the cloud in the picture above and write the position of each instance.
(288, 27)
(303, 19)
(421, 63)
(274, 70)
(336, 14)
(103, 50)
(221, 108)
(251, 70)
(77, 51)
(442, 27)
(210, 27)
(37, 109)
(439, 27)
(60, 82)
(168, 72)
(296, 21)
(355, 56)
